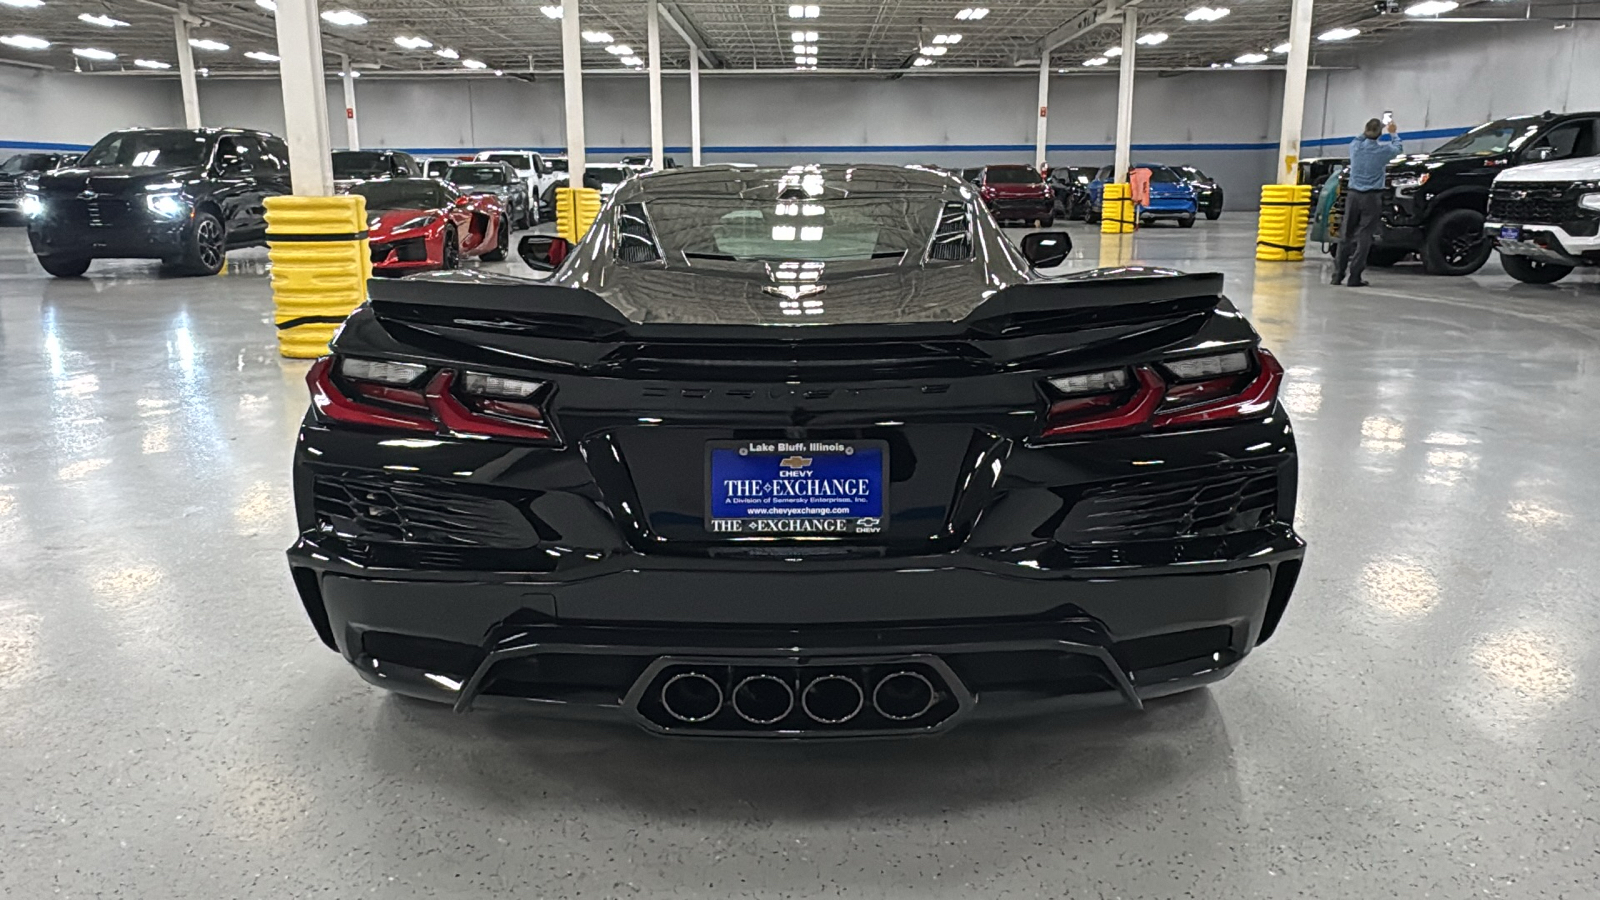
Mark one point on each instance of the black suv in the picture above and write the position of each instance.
(20, 170)
(183, 196)
(351, 167)
(1435, 203)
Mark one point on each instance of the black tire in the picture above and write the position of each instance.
(1091, 215)
(1456, 244)
(1533, 271)
(1186, 222)
(452, 251)
(205, 247)
(1213, 213)
(502, 244)
(65, 266)
(1047, 222)
(1384, 257)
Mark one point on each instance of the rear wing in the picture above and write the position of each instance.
(1028, 308)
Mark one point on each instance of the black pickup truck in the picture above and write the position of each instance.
(1435, 203)
(183, 196)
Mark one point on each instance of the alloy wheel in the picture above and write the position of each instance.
(208, 243)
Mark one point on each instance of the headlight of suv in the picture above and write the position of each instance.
(169, 205)
(1407, 182)
(1590, 202)
(30, 205)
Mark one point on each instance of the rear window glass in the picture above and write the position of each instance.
(1012, 175)
(514, 160)
(801, 230)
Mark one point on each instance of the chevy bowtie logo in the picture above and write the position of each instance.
(87, 195)
(795, 462)
(794, 291)
(1519, 195)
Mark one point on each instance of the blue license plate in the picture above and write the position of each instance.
(782, 488)
(1510, 233)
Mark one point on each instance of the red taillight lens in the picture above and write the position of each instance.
(1151, 401)
(331, 401)
(486, 406)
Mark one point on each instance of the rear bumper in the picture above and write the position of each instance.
(1014, 637)
(1029, 208)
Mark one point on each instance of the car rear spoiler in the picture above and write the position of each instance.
(1034, 306)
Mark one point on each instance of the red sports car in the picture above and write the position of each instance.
(418, 224)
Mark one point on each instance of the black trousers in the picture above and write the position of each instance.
(1363, 212)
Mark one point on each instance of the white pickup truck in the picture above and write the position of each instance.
(1544, 218)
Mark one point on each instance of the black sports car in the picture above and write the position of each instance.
(807, 452)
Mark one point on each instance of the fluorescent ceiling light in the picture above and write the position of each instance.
(551, 12)
(151, 64)
(972, 13)
(803, 37)
(102, 20)
(935, 51)
(805, 60)
(632, 61)
(1339, 34)
(1250, 58)
(413, 43)
(1431, 7)
(261, 56)
(597, 37)
(92, 53)
(25, 4)
(25, 42)
(269, 5)
(1152, 39)
(809, 11)
(207, 44)
(922, 61)
(473, 64)
(620, 50)
(947, 39)
(1207, 14)
(1281, 48)
(803, 49)
(1111, 52)
(343, 17)
(1097, 61)
(447, 53)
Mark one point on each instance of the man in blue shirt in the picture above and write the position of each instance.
(1363, 202)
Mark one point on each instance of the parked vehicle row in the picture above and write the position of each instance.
(23, 169)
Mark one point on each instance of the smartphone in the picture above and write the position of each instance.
(1388, 116)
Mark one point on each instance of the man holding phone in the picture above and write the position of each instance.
(1363, 202)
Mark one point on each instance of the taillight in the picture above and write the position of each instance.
(1191, 391)
(392, 395)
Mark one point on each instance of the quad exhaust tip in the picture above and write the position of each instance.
(833, 699)
(763, 699)
(691, 697)
(903, 696)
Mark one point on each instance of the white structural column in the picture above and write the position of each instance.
(191, 89)
(572, 83)
(305, 97)
(352, 134)
(1044, 110)
(694, 107)
(1294, 91)
(1130, 31)
(658, 148)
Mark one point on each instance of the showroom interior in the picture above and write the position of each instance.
(175, 715)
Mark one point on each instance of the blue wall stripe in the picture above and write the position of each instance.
(754, 149)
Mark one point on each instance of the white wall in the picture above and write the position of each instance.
(60, 109)
(1443, 79)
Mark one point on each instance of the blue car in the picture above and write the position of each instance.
(1171, 196)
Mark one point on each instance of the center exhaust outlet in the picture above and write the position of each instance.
(833, 699)
(691, 697)
(763, 699)
(903, 696)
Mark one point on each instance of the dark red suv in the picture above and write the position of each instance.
(1017, 193)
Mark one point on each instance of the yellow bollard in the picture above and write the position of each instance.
(576, 210)
(1285, 211)
(320, 267)
(1116, 209)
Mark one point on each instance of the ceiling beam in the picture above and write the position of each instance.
(1106, 13)
(686, 29)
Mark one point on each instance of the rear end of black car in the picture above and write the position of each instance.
(1076, 494)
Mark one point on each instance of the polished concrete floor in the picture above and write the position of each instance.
(1424, 725)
